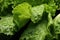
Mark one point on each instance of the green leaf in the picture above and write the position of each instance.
(57, 3)
(22, 14)
(37, 13)
(6, 25)
(51, 8)
(35, 31)
(57, 24)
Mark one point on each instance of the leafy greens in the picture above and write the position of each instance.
(15, 14)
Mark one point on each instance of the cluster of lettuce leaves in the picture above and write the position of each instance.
(15, 14)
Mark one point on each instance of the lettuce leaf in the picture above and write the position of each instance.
(6, 25)
(36, 13)
(51, 8)
(57, 3)
(57, 24)
(22, 14)
(35, 32)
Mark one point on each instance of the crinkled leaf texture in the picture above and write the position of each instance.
(35, 32)
(39, 30)
(57, 24)
(36, 13)
(22, 14)
(51, 8)
(57, 3)
(6, 25)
